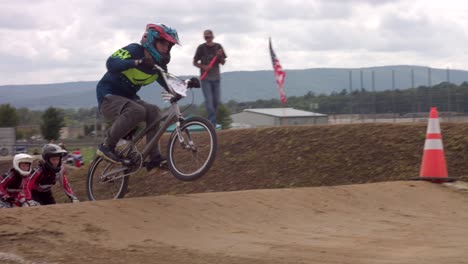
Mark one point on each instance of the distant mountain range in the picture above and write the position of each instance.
(241, 86)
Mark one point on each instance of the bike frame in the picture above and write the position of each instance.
(168, 117)
(173, 113)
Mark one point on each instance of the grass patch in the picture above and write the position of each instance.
(88, 152)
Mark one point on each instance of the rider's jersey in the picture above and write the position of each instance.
(123, 78)
(10, 184)
(42, 180)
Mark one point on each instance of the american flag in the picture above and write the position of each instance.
(279, 74)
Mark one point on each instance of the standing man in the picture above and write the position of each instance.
(208, 57)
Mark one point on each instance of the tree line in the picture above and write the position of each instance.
(48, 123)
(448, 97)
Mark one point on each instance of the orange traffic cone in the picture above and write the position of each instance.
(433, 165)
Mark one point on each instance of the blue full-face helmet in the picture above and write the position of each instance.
(156, 32)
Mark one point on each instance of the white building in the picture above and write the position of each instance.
(7, 140)
(71, 132)
(276, 117)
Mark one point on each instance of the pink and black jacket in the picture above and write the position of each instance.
(42, 180)
(11, 187)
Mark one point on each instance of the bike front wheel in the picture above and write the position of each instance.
(192, 151)
(106, 180)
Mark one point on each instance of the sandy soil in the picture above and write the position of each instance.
(392, 222)
(225, 217)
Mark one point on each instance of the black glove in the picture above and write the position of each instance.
(193, 83)
(146, 63)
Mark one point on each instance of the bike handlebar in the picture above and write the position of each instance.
(164, 75)
(169, 88)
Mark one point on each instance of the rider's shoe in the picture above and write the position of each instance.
(159, 162)
(108, 153)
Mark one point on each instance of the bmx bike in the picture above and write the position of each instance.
(191, 148)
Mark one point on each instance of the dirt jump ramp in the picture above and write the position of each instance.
(392, 222)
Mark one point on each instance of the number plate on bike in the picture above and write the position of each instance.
(178, 85)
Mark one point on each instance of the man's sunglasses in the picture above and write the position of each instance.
(208, 37)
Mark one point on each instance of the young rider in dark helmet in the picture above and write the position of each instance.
(128, 69)
(11, 181)
(37, 187)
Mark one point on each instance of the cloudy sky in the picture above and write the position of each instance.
(50, 41)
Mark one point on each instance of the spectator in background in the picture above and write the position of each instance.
(77, 157)
(208, 57)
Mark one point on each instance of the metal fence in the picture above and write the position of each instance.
(403, 94)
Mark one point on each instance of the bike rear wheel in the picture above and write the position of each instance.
(105, 180)
(192, 157)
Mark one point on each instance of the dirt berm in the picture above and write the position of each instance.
(393, 221)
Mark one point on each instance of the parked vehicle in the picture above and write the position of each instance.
(20, 149)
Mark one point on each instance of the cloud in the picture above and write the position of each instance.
(47, 41)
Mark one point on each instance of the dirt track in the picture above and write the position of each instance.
(393, 222)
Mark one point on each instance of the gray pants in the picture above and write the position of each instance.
(126, 115)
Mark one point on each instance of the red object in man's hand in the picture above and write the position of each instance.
(212, 62)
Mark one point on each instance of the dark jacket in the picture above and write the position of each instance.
(123, 78)
(204, 55)
(10, 185)
(42, 180)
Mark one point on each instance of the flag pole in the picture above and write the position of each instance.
(284, 121)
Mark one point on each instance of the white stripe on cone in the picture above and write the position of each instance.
(433, 144)
(433, 127)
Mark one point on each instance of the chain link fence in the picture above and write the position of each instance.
(396, 95)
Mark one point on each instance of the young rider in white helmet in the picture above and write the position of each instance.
(11, 181)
